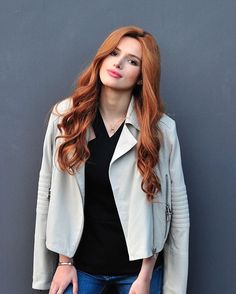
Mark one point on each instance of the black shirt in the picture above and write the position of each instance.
(102, 249)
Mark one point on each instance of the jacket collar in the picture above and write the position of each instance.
(131, 118)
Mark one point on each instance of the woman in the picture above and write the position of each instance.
(112, 206)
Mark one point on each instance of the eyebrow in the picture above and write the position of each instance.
(130, 54)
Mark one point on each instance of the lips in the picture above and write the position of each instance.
(114, 73)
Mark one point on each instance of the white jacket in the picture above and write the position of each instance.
(148, 226)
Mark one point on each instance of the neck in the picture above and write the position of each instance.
(114, 104)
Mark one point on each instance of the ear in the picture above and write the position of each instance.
(140, 82)
(139, 79)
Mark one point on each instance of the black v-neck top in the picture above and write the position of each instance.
(102, 249)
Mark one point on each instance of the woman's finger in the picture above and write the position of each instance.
(75, 285)
(53, 289)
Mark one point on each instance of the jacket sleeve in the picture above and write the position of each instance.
(44, 261)
(177, 243)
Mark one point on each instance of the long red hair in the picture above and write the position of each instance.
(73, 151)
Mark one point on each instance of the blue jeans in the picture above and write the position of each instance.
(97, 284)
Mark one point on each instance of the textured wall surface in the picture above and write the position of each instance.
(46, 44)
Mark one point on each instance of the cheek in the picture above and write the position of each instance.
(134, 74)
(101, 70)
(106, 63)
(104, 66)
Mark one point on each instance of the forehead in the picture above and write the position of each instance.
(130, 45)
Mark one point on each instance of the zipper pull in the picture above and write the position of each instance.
(168, 212)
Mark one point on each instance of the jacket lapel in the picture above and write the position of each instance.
(80, 174)
(127, 140)
(124, 144)
(129, 135)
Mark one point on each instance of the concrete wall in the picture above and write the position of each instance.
(45, 45)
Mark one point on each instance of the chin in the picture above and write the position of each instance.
(107, 82)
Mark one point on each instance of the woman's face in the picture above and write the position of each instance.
(121, 69)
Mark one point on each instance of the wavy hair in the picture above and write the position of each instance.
(73, 151)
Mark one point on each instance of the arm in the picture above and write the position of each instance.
(63, 258)
(147, 268)
(142, 283)
(45, 261)
(176, 246)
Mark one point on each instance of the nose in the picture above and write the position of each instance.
(117, 65)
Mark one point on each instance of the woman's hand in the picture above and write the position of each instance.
(140, 286)
(63, 276)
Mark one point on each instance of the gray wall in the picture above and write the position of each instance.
(45, 44)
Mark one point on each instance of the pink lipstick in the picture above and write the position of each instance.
(114, 73)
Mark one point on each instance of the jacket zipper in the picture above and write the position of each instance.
(49, 193)
(153, 232)
(168, 212)
(168, 209)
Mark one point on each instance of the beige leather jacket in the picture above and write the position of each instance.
(148, 226)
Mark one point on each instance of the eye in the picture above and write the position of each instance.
(113, 53)
(133, 62)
